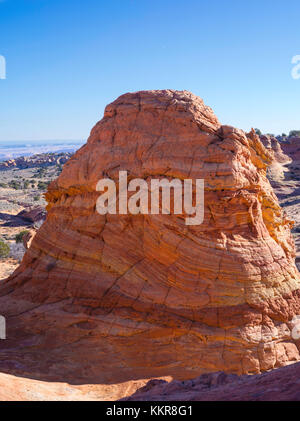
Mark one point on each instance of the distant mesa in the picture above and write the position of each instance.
(275, 147)
(221, 386)
(292, 148)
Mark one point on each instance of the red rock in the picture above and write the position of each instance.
(37, 160)
(291, 147)
(108, 299)
(284, 175)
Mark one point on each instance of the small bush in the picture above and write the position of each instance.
(14, 184)
(258, 132)
(294, 133)
(42, 185)
(41, 172)
(19, 237)
(4, 249)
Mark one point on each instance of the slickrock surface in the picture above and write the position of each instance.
(108, 299)
(281, 384)
(14, 388)
(28, 237)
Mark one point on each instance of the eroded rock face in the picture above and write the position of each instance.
(292, 148)
(278, 168)
(284, 176)
(33, 215)
(112, 298)
(274, 147)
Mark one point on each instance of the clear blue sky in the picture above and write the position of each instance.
(66, 59)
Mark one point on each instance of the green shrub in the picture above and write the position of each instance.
(4, 249)
(19, 237)
(13, 184)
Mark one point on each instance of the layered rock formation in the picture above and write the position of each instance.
(112, 298)
(284, 176)
(28, 237)
(33, 215)
(273, 146)
(277, 169)
(291, 192)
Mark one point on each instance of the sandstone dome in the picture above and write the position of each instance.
(111, 298)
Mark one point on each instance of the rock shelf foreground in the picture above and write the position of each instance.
(118, 298)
